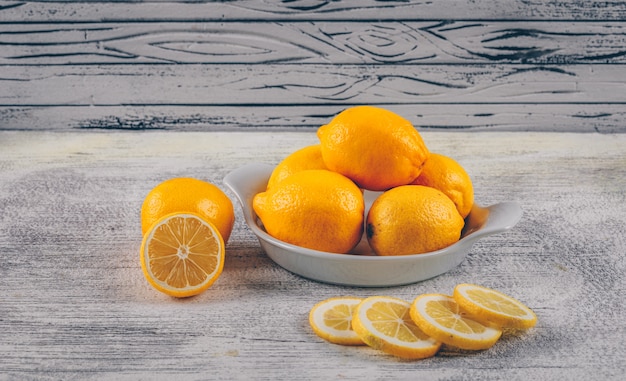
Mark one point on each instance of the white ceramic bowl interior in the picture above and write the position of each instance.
(363, 269)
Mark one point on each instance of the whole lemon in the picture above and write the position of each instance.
(447, 175)
(309, 157)
(374, 147)
(317, 209)
(184, 194)
(412, 219)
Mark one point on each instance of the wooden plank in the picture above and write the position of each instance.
(67, 65)
(75, 304)
(408, 42)
(205, 85)
(96, 11)
(601, 118)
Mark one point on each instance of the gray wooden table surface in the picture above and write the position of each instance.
(102, 100)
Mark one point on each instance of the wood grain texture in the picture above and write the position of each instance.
(601, 118)
(98, 10)
(102, 100)
(455, 61)
(75, 305)
(584, 98)
(294, 85)
(314, 42)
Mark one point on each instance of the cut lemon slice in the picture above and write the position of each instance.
(182, 254)
(440, 317)
(384, 323)
(492, 307)
(331, 320)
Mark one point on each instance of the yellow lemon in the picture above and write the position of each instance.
(331, 320)
(309, 157)
(412, 219)
(491, 307)
(446, 174)
(384, 323)
(374, 147)
(184, 194)
(316, 209)
(441, 318)
(182, 254)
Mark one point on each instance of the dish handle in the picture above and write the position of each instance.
(247, 181)
(500, 217)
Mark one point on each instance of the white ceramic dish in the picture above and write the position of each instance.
(359, 269)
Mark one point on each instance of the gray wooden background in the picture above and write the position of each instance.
(542, 65)
(102, 100)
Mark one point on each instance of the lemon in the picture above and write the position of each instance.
(441, 318)
(412, 219)
(309, 157)
(447, 175)
(182, 254)
(331, 319)
(384, 323)
(185, 194)
(316, 209)
(376, 148)
(492, 307)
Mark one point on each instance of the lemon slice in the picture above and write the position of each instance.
(492, 307)
(440, 317)
(182, 254)
(384, 323)
(331, 320)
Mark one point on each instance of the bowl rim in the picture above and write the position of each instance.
(467, 238)
(252, 221)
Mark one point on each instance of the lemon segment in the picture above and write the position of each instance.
(384, 323)
(440, 317)
(492, 307)
(182, 254)
(331, 320)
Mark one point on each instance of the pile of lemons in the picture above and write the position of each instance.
(314, 197)
(472, 318)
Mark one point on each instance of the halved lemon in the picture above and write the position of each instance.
(331, 319)
(384, 323)
(492, 307)
(182, 254)
(441, 318)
